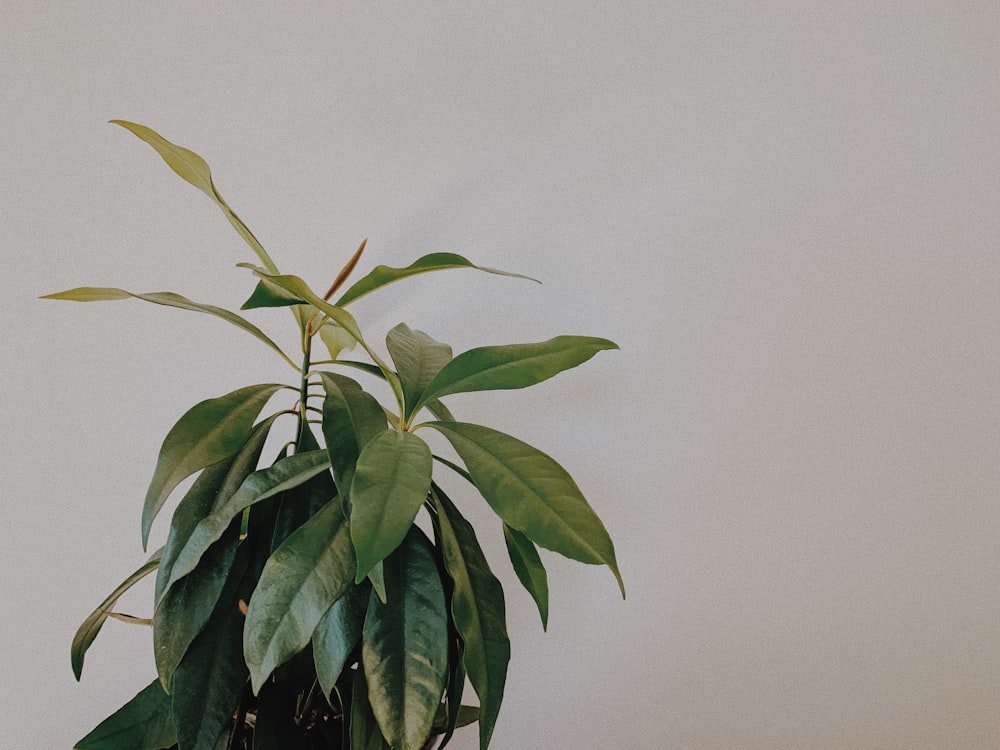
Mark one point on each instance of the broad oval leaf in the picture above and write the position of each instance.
(284, 474)
(418, 358)
(382, 275)
(209, 432)
(144, 723)
(532, 493)
(351, 418)
(336, 635)
(490, 368)
(530, 570)
(405, 645)
(168, 299)
(477, 608)
(90, 627)
(391, 482)
(300, 582)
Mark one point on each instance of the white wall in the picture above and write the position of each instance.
(785, 212)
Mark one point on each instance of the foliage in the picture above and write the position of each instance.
(300, 604)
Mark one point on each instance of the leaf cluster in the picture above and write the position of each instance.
(335, 596)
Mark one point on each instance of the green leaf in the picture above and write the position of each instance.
(418, 358)
(365, 734)
(194, 170)
(351, 418)
(284, 474)
(405, 645)
(144, 723)
(477, 607)
(300, 582)
(209, 432)
(336, 635)
(209, 681)
(266, 294)
(169, 299)
(530, 571)
(390, 484)
(90, 627)
(336, 339)
(513, 366)
(456, 682)
(298, 504)
(382, 275)
(532, 493)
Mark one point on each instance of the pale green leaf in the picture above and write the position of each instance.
(144, 723)
(530, 570)
(532, 493)
(418, 358)
(391, 482)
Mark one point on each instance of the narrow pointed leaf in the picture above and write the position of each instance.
(193, 169)
(209, 432)
(513, 366)
(336, 635)
(284, 474)
(300, 582)
(405, 645)
(266, 294)
(532, 493)
(351, 419)
(298, 504)
(477, 607)
(90, 627)
(418, 358)
(529, 569)
(382, 275)
(390, 484)
(168, 299)
(144, 723)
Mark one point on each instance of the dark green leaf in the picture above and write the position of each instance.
(405, 645)
(390, 484)
(337, 633)
(284, 474)
(456, 683)
(532, 493)
(513, 366)
(418, 358)
(144, 723)
(382, 275)
(209, 432)
(169, 299)
(530, 571)
(298, 504)
(365, 734)
(351, 418)
(90, 627)
(300, 582)
(477, 607)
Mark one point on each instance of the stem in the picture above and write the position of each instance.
(302, 413)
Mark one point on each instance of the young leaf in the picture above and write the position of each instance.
(477, 607)
(266, 294)
(532, 493)
(382, 275)
(300, 582)
(90, 627)
(284, 474)
(513, 366)
(405, 645)
(390, 484)
(530, 571)
(169, 299)
(209, 432)
(144, 723)
(418, 358)
(351, 418)
(194, 170)
(336, 635)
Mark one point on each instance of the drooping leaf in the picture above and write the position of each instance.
(530, 570)
(532, 493)
(337, 633)
(300, 582)
(390, 484)
(264, 483)
(513, 366)
(418, 358)
(298, 504)
(382, 275)
(266, 294)
(477, 607)
(144, 723)
(365, 733)
(194, 170)
(169, 299)
(209, 432)
(456, 682)
(351, 418)
(405, 645)
(90, 627)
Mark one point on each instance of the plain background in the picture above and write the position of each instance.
(786, 213)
